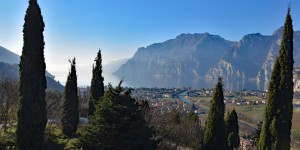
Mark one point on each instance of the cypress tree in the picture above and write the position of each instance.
(32, 115)
(70, 113)
(275, 133)
(232, 130)
(117, 124)
(214, 136)
(97, 85)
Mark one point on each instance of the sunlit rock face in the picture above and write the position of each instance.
(178, 62)
(197, 60)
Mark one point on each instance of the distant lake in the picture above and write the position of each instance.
(248, 85)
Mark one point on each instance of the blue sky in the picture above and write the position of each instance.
(79, 28)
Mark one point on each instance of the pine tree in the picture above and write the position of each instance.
(214, 136)
(97, 85)
(232, 130)
(70, 113)
(275, 133)
(32, 115)
(117, 124)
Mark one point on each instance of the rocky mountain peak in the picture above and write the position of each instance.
(198, 59)
(174, 62)
(198, 36)
(251, 37)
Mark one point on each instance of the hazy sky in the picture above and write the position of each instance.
(119, 27)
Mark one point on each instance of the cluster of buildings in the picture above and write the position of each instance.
(245, 144)
(162, 98)
(167, 99)
(235, 98)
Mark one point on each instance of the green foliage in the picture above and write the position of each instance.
(214, 136)
(70, 113)
(232, 130)
(58, 141)
(97, 85)
(32, 116)
(72, 144)
(117, 124)
(7, 139)
(275, 133)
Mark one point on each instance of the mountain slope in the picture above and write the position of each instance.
(110, 68)
(178, 62)
(12, 71)
(113, 66)
(9, 57)
(242, 62)
(9, 67)
(249, 63)
(197, 60)
(264, 73)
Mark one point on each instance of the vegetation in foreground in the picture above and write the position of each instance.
(277, 123)
(214, 136)
(70, 114)
(119, 122)
(97, 86)
(32, 115)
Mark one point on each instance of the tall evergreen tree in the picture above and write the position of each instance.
(117, 124)
(214, 136)
(275, 133)
(97, 85)
(32, 115)
(70, 113)
(232, 130)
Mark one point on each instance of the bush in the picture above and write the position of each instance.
(7, 139)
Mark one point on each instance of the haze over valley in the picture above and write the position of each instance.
(190, 60)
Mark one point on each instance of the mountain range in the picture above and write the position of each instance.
(9, 68)
(197, 60)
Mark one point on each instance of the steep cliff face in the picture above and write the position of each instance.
(197, 60)
(263, 75)
(178, 62)
(296, 79)
(240, 65)
(249, 64)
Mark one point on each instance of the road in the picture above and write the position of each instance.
(182, 96)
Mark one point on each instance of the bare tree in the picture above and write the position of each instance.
(8, 101)
(174, 129)
(83, 98)
(54, 104)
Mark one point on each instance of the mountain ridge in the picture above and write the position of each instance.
(8, 56)
(171, 63)
(187, 61)
(9, 67)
